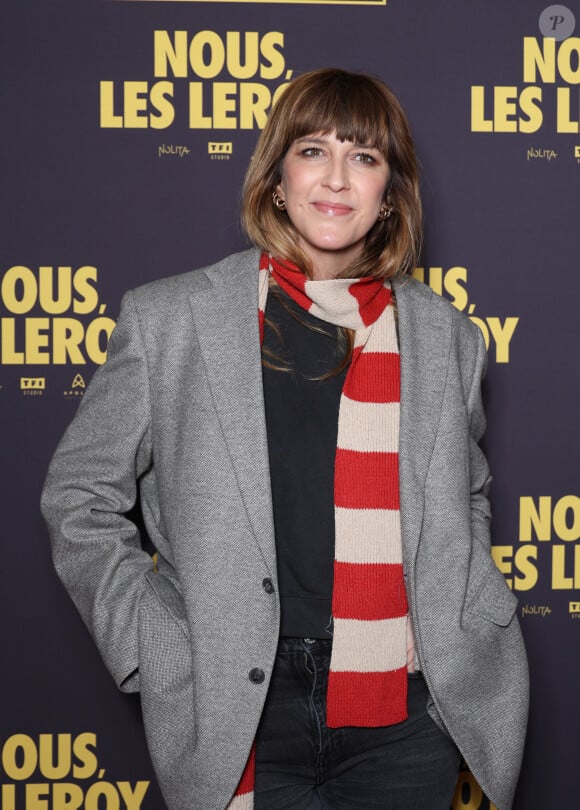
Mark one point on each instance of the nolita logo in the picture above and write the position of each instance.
(217, 148)
(574, 607)
(29, 383)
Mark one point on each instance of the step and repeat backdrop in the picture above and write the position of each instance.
(126, 130)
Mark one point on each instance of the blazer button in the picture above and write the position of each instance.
(257, 675)
(268, 585)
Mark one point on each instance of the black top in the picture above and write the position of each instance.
(302, 423)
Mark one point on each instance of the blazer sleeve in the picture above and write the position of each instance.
(487, 591)
(480, 478)
(92, 483)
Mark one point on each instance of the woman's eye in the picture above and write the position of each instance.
(364, 157)
(312, 151)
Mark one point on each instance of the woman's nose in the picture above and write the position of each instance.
(336, 176)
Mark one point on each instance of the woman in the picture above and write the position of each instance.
(300, 423)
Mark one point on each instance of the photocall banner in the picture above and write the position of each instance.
(127, 127)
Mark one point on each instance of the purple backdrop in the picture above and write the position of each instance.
(127, 127)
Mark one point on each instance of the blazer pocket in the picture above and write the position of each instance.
(164, 647)
(166, 680)
(169, 598)
(493, 600)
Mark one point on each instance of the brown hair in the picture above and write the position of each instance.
(358, 108)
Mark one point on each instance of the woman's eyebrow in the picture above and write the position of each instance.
(321, 139)
(312, 139)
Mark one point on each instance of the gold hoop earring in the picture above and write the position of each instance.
(278, 201)
(385, 211)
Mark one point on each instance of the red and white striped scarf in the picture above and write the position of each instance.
(367, 683)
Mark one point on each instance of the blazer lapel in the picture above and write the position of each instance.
(424, 335)
(225, 313)
(225, 309)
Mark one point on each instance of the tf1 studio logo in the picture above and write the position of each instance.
(220, 148)
(32, 383)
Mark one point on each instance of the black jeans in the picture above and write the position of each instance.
(304, 765)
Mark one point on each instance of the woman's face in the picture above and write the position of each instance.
(333, 192)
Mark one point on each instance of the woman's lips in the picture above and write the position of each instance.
(331, 208)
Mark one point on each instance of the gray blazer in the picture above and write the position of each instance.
(177, 412)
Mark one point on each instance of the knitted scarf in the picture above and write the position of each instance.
(367, 683)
